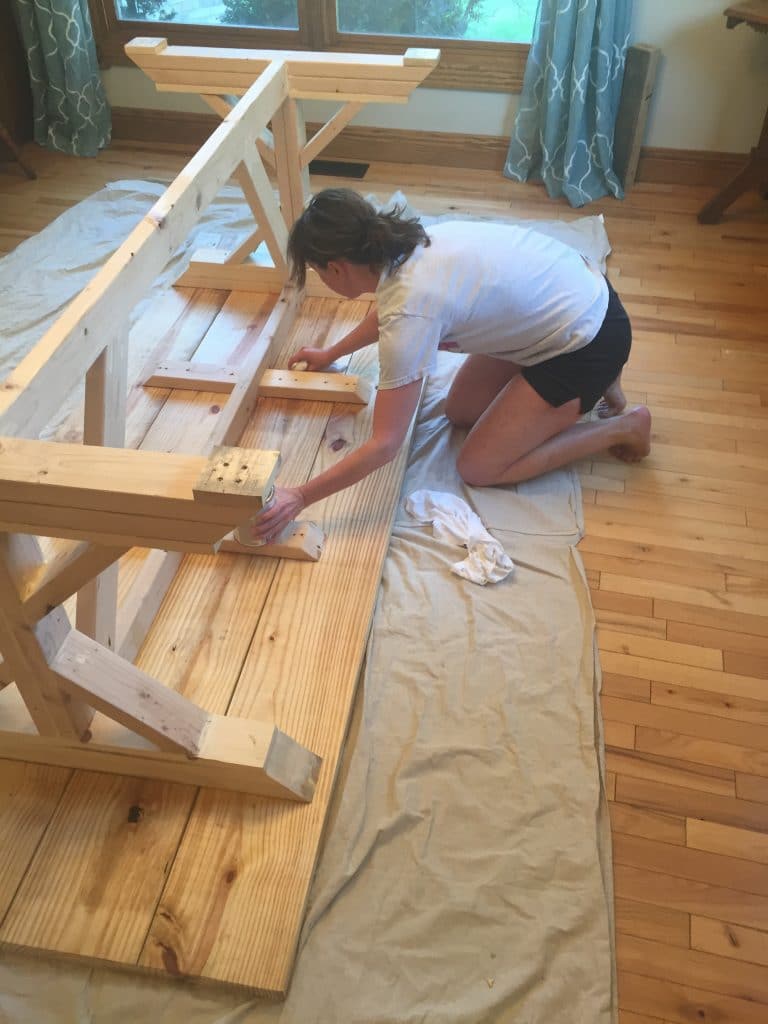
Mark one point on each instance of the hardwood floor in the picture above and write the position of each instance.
(676, 551)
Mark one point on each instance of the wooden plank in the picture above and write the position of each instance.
(192, 376)
(116, 480)
(129, 696)
(699, 751)
(73, 564)
(104, 422)
(264, 961)
(635, 821)
(317, 387)
(240, 475)
(638, 766)
(26, 650)
(28, 797)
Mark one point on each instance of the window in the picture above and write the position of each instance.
(484, 43)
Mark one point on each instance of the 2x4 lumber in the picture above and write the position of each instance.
(316, 386)
(290, 133)
(247, 246)
(60, 576)
(110, 529)
(264, 141)
(191, 376)
(131, 483)
(126, 694)
(212, 268)
(302, 540)
(257, 189)
(154, 54)
(106, 393)
(242, 755)
(325, 135)
(36, 388)
(236, 413)
(26, 651)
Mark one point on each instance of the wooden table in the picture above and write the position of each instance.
(755, 175)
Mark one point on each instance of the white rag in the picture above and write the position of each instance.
(454, 521)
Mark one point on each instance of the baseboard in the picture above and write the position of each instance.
(440, 149)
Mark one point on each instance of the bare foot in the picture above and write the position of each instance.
(635, 442)
(613, 402)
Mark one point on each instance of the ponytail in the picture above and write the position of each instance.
(338, 224)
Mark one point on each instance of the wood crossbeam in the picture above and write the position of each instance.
(237, 754)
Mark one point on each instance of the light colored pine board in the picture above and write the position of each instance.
(29, 794)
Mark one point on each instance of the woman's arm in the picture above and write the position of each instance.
(366, 332)
(392, 414)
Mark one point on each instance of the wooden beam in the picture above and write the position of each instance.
(38, 385)
(127, 695)
(191, 376)
(106, 392)
(264, 141)
(325, 135)
(257, 190)
(315, 386)
(290, 133)
(237, 754)
(26, 650)
(128, 483)
(143, 601)
(211, 268)
(237, 411)
(52, 582)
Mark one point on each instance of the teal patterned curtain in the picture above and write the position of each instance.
(70, 109)
(563, 132)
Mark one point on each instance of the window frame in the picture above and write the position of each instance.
(471, 65)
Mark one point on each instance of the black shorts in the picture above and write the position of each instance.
(587, 372)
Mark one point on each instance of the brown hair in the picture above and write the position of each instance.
(338, 224)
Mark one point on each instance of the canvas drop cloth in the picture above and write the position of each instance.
(465, 877)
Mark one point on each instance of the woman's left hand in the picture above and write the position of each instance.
(288, 502)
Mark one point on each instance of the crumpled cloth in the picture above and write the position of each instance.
(454, 521)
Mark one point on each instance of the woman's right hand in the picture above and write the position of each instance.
(315, 358)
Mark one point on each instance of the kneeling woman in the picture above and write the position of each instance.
(545, 333)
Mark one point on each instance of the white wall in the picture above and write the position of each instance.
(710, 94)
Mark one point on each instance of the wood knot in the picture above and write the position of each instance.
(135, 814)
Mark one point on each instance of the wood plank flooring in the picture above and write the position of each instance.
(676, 552)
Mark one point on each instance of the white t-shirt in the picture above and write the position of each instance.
(497, 289)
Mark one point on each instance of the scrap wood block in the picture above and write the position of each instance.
(315, 386)
(302, 541)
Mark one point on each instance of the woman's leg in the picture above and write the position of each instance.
(520, 436)
(476, 384)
